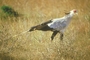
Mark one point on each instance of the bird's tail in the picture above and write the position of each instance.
(20, 34)
(32, 28)
(37, 27)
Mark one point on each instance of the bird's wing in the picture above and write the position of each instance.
(40, 26)
(45, 23)
(58, 24)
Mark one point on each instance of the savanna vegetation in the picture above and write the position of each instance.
(17, 16)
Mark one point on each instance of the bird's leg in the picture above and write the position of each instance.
(61, 37)
(54, 34)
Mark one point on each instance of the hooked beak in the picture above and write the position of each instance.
(76, 13)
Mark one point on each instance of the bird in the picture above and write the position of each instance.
(57, 25)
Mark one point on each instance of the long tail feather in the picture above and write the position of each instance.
(20, 33)
(17, 34)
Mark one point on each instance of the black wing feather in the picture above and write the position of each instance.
(42, 26)
(45, 23)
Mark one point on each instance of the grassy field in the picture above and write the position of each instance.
(37, 45)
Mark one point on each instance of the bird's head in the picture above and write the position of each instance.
(72, 12)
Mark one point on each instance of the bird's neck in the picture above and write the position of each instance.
(69, 15)
(68, 18)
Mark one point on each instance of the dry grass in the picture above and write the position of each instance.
(37, 45)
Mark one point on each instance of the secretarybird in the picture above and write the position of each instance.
(57, 25)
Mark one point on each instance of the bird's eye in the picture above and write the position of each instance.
(75, 11)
